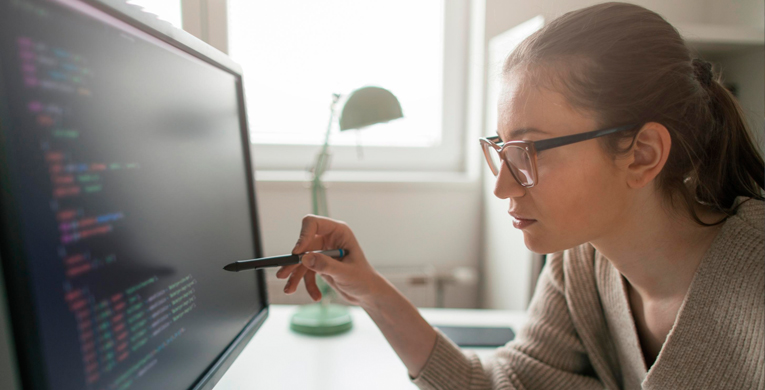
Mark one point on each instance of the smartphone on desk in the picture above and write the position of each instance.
(478, 336)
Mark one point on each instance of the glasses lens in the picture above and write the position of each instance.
(492, 157)
(520, 163)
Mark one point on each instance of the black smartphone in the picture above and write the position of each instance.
(478, 336)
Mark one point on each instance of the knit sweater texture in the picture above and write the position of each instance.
(580, 332)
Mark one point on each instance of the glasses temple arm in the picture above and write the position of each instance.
(570, 139)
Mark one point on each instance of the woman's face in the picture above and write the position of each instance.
(580, 195)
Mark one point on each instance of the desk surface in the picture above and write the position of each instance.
(277, 358)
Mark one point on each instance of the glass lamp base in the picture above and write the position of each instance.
(321, 320)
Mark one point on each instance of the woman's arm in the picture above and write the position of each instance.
(547, 354)
(357, 282)
(402, 325)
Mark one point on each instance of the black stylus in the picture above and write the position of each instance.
(277, 261)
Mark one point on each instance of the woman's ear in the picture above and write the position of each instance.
(648, 154)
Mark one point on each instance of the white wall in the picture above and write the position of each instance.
(397, 224)
(745, 70)
(744, 12)
(502, 15)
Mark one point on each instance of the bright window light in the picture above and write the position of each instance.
(167, 10)
(295, 54)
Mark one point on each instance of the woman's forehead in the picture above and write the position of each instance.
(524, 105)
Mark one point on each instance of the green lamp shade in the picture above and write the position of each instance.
(368, 106)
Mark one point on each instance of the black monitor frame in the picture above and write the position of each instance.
(23, 322)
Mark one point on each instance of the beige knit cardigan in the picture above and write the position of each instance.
(581, 334)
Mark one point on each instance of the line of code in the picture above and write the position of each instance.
(122, 332)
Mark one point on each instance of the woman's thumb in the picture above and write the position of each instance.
(322, 264)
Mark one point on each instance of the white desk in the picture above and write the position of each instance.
(277, 358)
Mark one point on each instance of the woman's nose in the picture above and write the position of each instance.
(506, 186)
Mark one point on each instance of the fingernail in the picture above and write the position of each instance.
(310, 260)
(297, 244)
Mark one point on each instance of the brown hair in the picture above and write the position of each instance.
(628, 65)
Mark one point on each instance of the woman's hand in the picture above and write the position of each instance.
(408, 333)
(352, 276)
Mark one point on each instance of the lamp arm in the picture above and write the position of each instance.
(321, 165)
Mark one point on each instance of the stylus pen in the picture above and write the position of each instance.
(277, 261)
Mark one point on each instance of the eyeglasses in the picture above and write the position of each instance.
(521, 156)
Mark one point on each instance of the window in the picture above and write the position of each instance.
(295, 54)
(167, 10)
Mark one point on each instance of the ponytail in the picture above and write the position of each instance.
(732, 165)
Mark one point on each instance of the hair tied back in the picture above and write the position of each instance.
(702, 70)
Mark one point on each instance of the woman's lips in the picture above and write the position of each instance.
(522, 223)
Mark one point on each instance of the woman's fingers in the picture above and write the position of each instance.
(310, 285)
(285, 271)
(320, 233)
(316, 244)
(307, 275)
(313, 225)
(294, 280)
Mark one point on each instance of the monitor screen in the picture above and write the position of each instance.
(125, 186)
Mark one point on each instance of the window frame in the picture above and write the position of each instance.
(207, 19)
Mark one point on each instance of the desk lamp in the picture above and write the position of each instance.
(364, 107)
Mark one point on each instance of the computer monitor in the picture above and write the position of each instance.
(125, 186)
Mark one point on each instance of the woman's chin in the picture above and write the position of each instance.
(542, 244)
(533, 244)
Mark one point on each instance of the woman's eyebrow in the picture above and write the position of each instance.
(518, 133)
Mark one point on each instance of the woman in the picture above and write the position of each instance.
(655, 224)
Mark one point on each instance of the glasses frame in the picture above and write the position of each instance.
(534, 147)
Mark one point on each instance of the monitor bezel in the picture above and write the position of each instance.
(23, 322)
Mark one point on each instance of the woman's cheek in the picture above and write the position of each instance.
(564, 191)
(557, 179)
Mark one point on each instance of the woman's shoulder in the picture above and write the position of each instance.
(750, 215)
(740, 242)
(741, 239)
